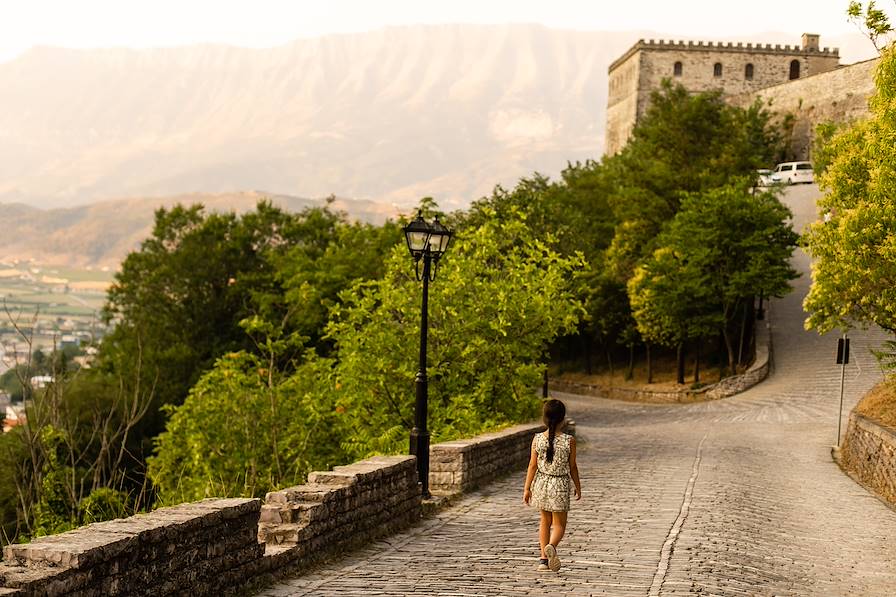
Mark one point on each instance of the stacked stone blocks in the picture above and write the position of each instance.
(869, 453)
(339, 509)
(204, 546)
(223, 546)
(462, 465)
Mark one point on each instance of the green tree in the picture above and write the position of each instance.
(728, 244)
(672, 299)
(685, 143)
(248, 426)
(500, 297)
(853, 250)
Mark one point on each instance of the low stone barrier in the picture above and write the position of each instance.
(729, 386)
(201, 548)
(222, 546)
(465, 464)
(869, 453)
(337, 510)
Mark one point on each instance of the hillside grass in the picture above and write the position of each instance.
(880, 404)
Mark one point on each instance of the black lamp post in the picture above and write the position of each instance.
(427, 243)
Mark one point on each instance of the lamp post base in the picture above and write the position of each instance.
(420, 449)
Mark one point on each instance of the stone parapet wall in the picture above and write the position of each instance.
(223, 546)
(337, 510)
(462, 465)
(869, 453)
(729, 386)
(200, 548)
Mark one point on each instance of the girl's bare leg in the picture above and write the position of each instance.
(544, 530)
(558, 527)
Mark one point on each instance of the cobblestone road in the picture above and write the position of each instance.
(733, 497)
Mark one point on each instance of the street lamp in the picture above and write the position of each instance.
(427, 243)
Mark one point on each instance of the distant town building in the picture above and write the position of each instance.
(734, 69)
(41, 381)
(15, 415)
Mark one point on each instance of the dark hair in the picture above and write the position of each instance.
(553, 413)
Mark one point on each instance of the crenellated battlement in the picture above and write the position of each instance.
(725, 47)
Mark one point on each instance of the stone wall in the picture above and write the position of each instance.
(221, 546)
(337, 510)
(869, 453)
(203, 548)
(649, 62)
(462, 465)
(838, 96)
(729, 386)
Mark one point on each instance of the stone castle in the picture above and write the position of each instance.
(806, 81)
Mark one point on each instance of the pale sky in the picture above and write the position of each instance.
(262, 23)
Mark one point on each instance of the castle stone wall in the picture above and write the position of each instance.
(622, 103)
(839, 95)
(655, 61)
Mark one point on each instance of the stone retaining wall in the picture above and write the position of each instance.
(202, 548)
(869, 453)
(222, 546)
(462, 465)
(729, 386)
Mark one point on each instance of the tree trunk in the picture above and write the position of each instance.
(740, 344)
(609, 360)
(729, 348)
(588, 366)
(631, 362)
(697, 361)
(680, 357)
(649, 364)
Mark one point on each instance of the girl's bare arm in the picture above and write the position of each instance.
(530, 474)
(574, 468)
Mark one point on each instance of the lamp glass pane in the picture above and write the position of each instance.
(446, 240)
(417, 240)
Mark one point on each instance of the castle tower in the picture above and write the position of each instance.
(702, 66)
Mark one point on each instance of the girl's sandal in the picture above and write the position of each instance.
(553, 561)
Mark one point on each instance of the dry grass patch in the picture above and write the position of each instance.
(880, 404)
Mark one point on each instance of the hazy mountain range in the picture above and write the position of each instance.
(388, 116)
(102, 233)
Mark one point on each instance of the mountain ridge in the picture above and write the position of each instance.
(101, 234)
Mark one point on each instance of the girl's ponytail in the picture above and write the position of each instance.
(553, 413)
(552, 431)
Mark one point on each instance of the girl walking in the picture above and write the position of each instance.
(552, 464)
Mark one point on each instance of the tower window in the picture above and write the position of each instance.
(717, 69)
(676, 70)
(794, 69)
(748, 72)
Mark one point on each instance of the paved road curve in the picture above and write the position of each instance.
(734, 497)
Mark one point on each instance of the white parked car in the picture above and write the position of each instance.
(766, 178)
(795, 172)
